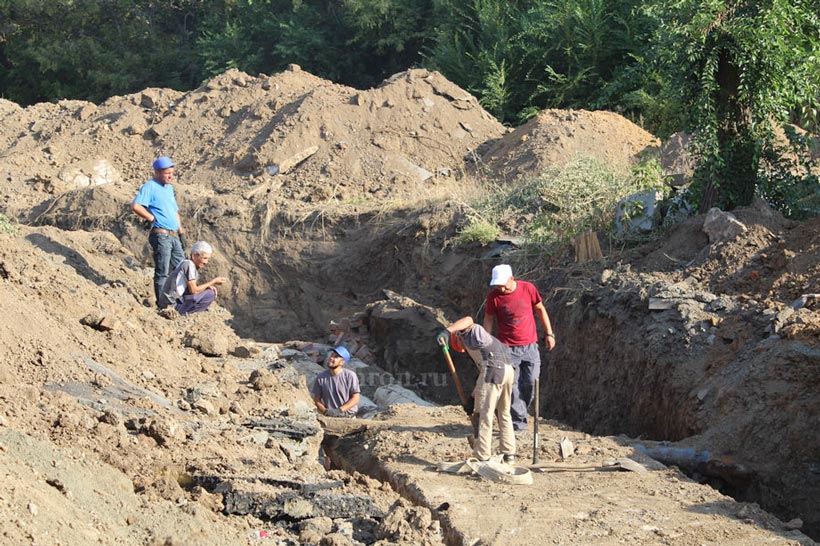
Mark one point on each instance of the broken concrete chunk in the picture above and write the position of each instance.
(567, 449)
(401, 164)
(294, 160)
(722, 226)
(636, 212)
(659, 304)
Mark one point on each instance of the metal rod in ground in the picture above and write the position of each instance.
(535, 422)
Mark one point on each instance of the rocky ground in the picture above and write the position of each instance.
(332, 211)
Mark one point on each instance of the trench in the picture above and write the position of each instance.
(344, 455)
(611, 378)
(600, 381)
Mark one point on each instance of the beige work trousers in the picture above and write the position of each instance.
(494, 401)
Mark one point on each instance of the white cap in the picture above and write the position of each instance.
(501, 274)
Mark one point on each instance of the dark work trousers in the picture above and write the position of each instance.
(167, 255)
(194, 303)
(527, 365)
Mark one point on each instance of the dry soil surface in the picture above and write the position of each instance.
(325, 203)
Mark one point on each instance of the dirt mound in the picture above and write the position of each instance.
(554, 137)
(304, 137)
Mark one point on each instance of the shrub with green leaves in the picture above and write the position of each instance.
(787, 175)
(478, 231)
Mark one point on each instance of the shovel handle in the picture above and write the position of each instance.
(454, 374)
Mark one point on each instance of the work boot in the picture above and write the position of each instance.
(509, 459)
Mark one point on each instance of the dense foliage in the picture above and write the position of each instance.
(721, 69)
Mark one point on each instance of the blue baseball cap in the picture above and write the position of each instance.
(163, 162)
(342, 352)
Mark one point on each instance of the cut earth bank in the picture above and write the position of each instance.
(121, 427)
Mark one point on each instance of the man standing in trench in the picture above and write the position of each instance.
(157, 204)
(514, 305)
(336, 391)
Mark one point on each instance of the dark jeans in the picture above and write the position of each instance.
(194, 303)
(527, 365)
(167, 255)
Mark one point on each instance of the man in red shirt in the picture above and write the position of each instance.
(513, 305)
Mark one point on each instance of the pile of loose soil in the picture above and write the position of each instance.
(555, 137)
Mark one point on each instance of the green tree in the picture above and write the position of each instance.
(92, 49)
(472, 45)
(354, 42)
(737, 66)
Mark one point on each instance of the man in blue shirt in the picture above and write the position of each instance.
(157, 204)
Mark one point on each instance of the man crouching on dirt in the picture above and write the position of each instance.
(493, 392)
(336, 390)
(181, 289)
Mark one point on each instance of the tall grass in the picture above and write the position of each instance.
(551, 209)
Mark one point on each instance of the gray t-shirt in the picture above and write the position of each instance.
(494, 354)
(335, 390)
(177, 283)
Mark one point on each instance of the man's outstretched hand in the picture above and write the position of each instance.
(443, 338)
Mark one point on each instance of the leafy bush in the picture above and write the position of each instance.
(787, 177)
(478, 231)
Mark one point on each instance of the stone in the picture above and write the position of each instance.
(660, 304)
(567, 449)
(262, 379)
(636, 212)
(205, 407)
(108, 324)
(298, 508)
(722, 226)
(91, 320)
(164, 431)
(794, 524)
(241, 351)
(322, 525)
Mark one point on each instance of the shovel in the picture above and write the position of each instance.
(473, 416)
(453, 373)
